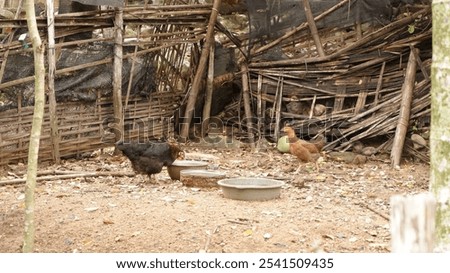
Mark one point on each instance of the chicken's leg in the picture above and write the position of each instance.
(300, 166)
(154, 180)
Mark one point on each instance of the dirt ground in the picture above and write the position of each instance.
(341, 208)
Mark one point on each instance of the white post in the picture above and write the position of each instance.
(413, 223)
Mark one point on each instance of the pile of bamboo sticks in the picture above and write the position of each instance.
(359, 78)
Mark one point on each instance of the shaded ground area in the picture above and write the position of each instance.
(343, 208)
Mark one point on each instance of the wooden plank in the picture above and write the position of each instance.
(339, 99)
(362, 96)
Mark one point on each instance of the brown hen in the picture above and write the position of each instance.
(305, 151)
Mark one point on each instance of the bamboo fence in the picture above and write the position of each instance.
(167, 32)
(84, 128)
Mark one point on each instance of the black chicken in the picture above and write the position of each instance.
(149, 158)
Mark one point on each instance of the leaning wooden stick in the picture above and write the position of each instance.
(405, 110)
(65, 176)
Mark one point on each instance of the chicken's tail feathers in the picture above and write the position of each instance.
(320, 141)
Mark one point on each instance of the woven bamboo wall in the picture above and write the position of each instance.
(84, 127)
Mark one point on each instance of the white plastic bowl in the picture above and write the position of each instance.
(178, 165)
(251, 189)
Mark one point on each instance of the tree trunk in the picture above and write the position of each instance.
(39, 100)
(440, 121)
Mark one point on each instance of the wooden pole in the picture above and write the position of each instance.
(200, 71)
(405, 110)
(313, 104)
(379, 85)
(313, 28)
(117, 74)
(247, 107)
(413, 223)
(259, 111)
(133, 61)
(277, 107)
(54, 131)
(209, 92)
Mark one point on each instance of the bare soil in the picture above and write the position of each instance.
(341, 208)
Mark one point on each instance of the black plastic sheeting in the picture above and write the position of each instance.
(83, 85)
(270, 19)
